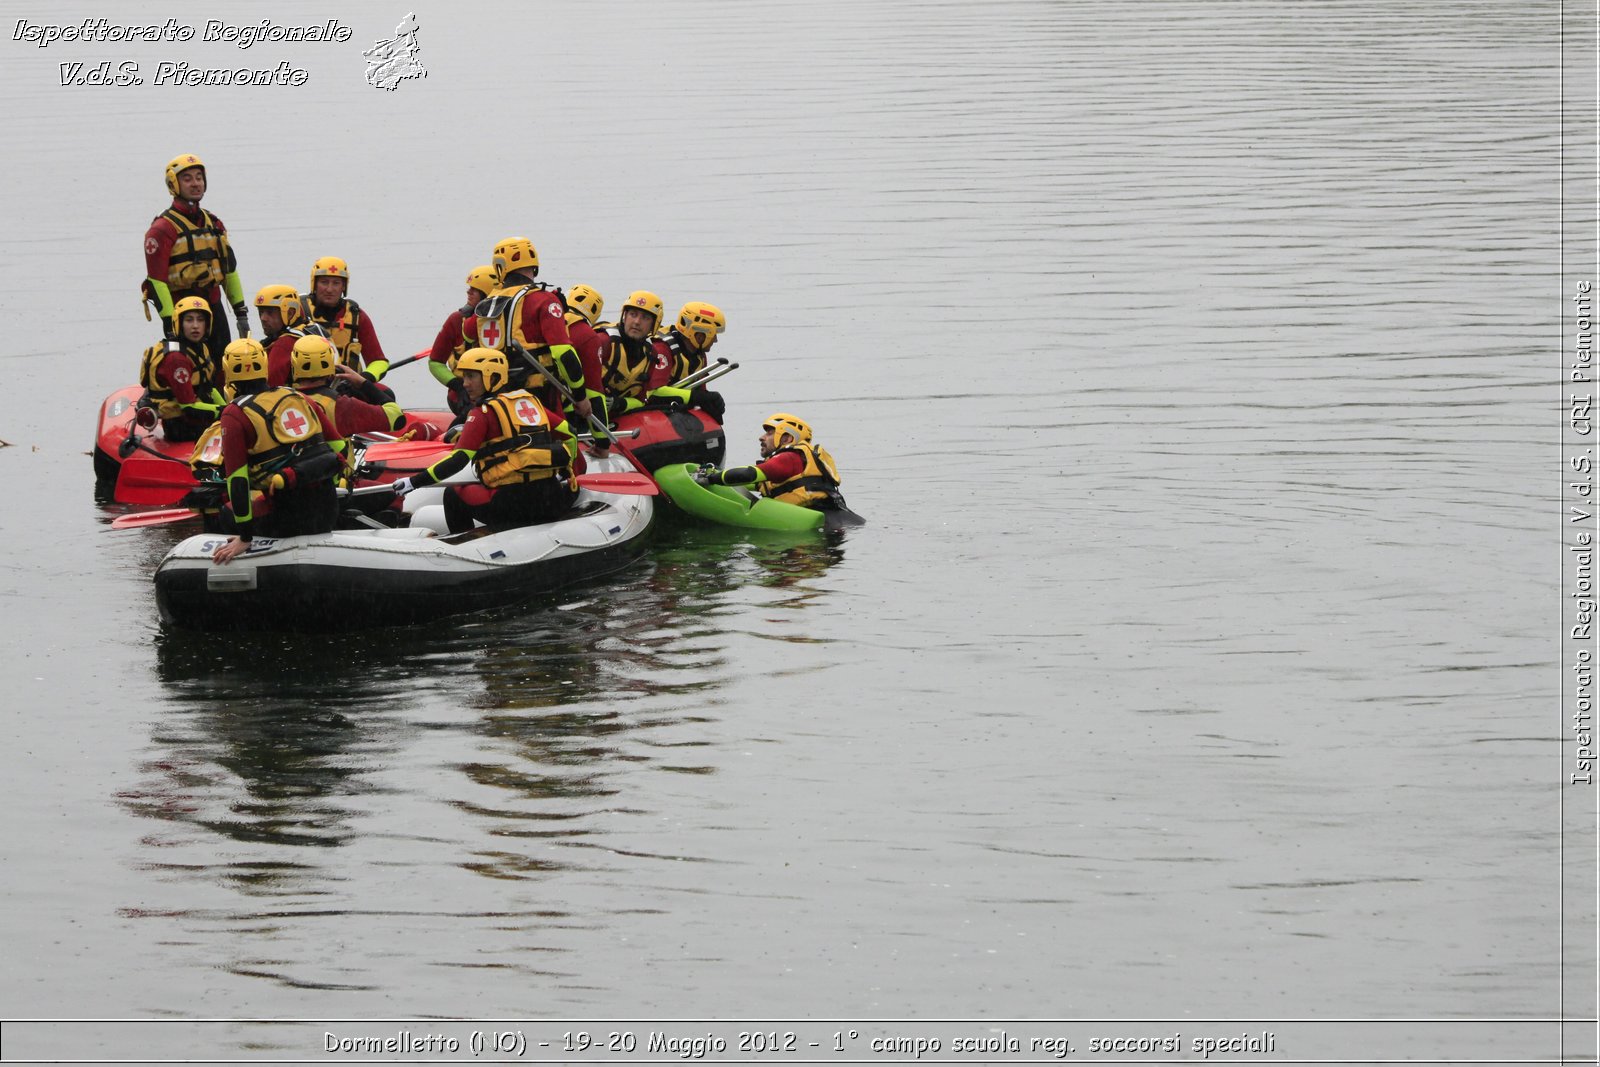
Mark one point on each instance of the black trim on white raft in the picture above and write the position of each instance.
(377, 577)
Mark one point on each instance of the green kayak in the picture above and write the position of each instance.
(730, 506)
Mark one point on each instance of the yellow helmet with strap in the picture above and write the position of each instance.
(313, 357)
(177, 166)
(284, 299)
(485, 279)
(646, 301)
(586, 302)
(187, 304)
(330, 267)
(515, 253)
(489, 362)
(783, 423)
(245, 360)
(701, 322)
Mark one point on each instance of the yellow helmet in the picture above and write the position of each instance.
(330, 267)
(489, 362)
(282, 297)
(187, 304)
(485, 279)
(648, 301)
(515, 253)
(178, 165)
(245, 360)
(586, 302)
(701, 322)
(782, 423)
(313, 357)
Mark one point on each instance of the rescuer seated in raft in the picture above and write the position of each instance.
(272, 441)
(451, 340)
(523, 453)
(792, 469)
(688, 342)
(347, 402)
(182, 377)
(328, 305)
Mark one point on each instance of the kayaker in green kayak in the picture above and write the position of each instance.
(792, 470)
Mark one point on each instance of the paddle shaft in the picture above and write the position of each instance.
(595, 424)
(688, 381)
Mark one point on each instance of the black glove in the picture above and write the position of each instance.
(707, 474)
(241, 315)
(707, 401)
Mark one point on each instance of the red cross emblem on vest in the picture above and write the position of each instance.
(212, 452)
(528, 412)
(489, 333)
(293, 423)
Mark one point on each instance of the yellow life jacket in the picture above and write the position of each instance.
(200, 256)
(816, 483)
(523, 447)
(341, 326)
(326, 398)
(287, 426)
(206, 459)
(499, 320)
(625, 372)
(159, 393)
(685, 360)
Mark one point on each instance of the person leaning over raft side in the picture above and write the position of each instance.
(452, 339)
(522, 450)
(187, 253)
(526, 319)
(792, 469)
(348, 327)
(272, 439)
(182, 378)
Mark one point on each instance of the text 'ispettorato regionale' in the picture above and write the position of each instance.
(104, 31)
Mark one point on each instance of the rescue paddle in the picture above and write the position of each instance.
(620, 484)
(153, 518)
(168, 516)
(424, 354)
(689, 381)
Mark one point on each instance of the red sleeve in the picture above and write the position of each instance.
(556, 420)
(355, 415)
(475, 430)
(545, 319)
(158, 240)
(783, 466)
(590, 346)
(371, 350)
(451, 332)
(279, 359)
(661, 367)
(469, 331)
(177, 370)
(237, 437)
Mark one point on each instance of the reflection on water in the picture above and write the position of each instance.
(536, 726)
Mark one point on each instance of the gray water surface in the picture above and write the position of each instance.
(1192, 362)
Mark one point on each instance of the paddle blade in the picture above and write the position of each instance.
(153, 518)
(621, 484)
